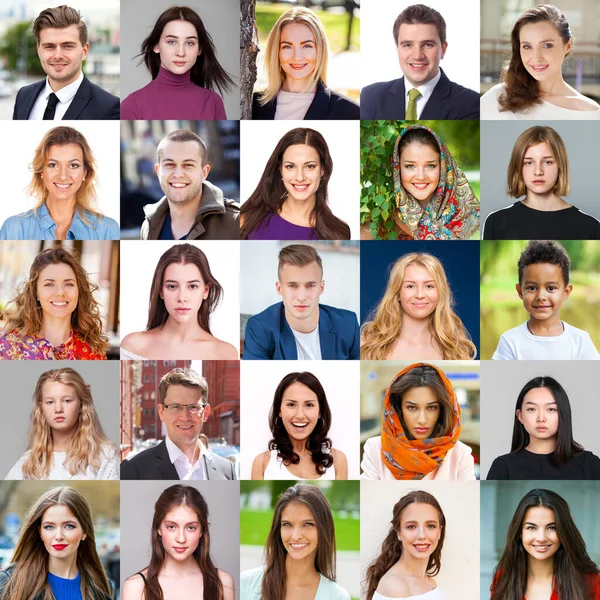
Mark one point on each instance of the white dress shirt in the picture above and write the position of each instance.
(426, 90)
(65, 97)
(185, 469)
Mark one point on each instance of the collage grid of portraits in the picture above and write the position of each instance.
(340, 189)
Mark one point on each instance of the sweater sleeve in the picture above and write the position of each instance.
(498, 469)
(16, 473)
(504, 350)
(129, 109)
(219, 108)
(109, 465)
(466, 467)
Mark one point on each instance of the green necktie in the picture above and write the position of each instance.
(411, 109)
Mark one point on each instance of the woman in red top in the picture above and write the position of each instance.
(545, 556)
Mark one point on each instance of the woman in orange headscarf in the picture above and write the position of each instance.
(421, 425)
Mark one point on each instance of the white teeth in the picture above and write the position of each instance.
(178, 185)
(59, 303)
(63, 186)
(298, 546)
(299, 424)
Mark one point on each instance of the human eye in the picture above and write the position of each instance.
(309, 404)
(75, 166)
(48, 402)
(51, 165)
(530, 409)
(432, 526)
(529, 527)
(285, 524)
(191, 43)
(192, 527)
(411, 408)
(429, 44)
(549, 162)
(552, 527)
(433, 407)
(290, 403)
(432, 166)
(48, 527)
(70, 526)
(410, 527)
(409, 166)
(530, 288)
(406, 44)
(553, 409)
(525, 47)
(548, 46)
(552, 288)
(312, 166)
(309, 524)
(171, 286)
(175, 407)
(193, 286)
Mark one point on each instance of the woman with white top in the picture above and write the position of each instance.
(411, 554)
(532, 85)
(299, 420)
(66, 439)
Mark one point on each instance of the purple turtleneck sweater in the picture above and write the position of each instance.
(171, 96)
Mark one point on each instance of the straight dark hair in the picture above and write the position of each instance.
(270, 194)
(571, 562)
(318, 442)
(273, 583)
(207, 71)
(566, 447)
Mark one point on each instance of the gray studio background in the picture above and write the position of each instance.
(497, 141)
(499, 500)
(222, 21)
(18, 384)
(137, 511)
(501, 382)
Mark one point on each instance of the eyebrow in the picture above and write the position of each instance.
(542, 42)
(189, 522)
(434, 41)
(300, 282)
(433, 160)
(415, 404)
(531, 157)
(184, 160)
(535, 403)
(303, 520)
(175, 281)
(73, 522)
(416, 522)
(50, 279)
(306, 162)
(412, 281)
(189, 37)
(556, 282)
(302, 42)
(536, 525)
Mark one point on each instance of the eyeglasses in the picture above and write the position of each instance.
(177, 409)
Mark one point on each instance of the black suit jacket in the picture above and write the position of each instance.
(154, 463)
(449, 101)
(90, 102)
(326, 105)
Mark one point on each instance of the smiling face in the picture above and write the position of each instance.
(297, 52)
(299, 533)
(178, 47)
(419, 294)
(64, 172)
(180, 532)
(61, 55)
(57, 291)
(420, 530)
(420, 51)
(539, 414)
(420, 412)
(299, 411)
(301, 172)
(540, 169)
(543, 291)
(60, 406)
(420, 171)
(542, 50)
(61, 532)
(538, 533)
(183, 291)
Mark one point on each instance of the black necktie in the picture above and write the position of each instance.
(51, 107)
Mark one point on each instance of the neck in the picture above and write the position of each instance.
(181, 332)
(544, 202)
(298, 211)
(540, 570)
(60, 440)
(297, 86)
(65, 568)
(56, 331)
(174, 567)
(414, 329)
(299, 446)
(549, 328)
(59, 85)
(302, 569)
(191, 450)
(538, 446)
(414, 566)
(61, 211)
(552, 87)
(184, 214)
(303, 325)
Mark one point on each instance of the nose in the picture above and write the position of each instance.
(180, 536)
(539, 168)
(541, 417)
(421, 532)
(422, 418)
(180, 51)
(64, 173)
(58, 407)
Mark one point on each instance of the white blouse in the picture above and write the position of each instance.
(435, 594)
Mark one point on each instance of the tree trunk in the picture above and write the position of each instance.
(248, 52)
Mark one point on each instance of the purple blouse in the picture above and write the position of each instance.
(276, 228)
(171, 96)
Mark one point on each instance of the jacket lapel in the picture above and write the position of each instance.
(37, 89)
(326, 336)
(287, 341)
(434, 109)
(164, 464)
(398, 101)
(320, 104)
(80, 100)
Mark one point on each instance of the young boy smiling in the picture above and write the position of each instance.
(544, 286)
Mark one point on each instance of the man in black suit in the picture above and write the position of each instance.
(66, 93)
(183, 408)
(424, 92)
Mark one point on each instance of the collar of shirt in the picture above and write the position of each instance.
(65, 94)
(426, 90)
(185, 469)
(77, 231)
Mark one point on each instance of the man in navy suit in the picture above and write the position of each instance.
(66, 93)
(300, 327)
(424, 92)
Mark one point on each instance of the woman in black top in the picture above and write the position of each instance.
(543, 446)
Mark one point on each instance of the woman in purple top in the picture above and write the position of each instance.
(180, 55)
(290, 201)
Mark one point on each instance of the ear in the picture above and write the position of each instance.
(86, 50)
(518, 288)
(205, 171)
(206, 413)
(156, 166)
(161, 411)
(518, 415)
(206, 291)
(156, 49)
(444, 48)
(278, 287)
(568, 290)
(322, 287)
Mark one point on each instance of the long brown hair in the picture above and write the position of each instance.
(391, 549)
(270, 193)
(521, 90)
(182, 254)
(30, 558)
(173, 497)
(25, 312)
(273, 583)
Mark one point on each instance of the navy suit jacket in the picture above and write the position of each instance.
(449, 101)
(268, 335)
(90, 102)
(154, 463)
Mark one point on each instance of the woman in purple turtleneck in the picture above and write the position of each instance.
(180, 55)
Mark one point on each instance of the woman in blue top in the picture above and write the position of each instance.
(64, 174)
(55, 556)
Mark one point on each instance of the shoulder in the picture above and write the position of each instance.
(35, 87)
(134, 585)
(252, 576)
(223, 350)
(393, 585)
(460, 91)
(101, 94)
(493, 93)
(109, 228)
(373, 445)
(226, 578)
(130, 105)
(576, 332)
(338, 313)
(16, 226)
(461, 449)
(581, 216)
(379, 88)
(490, 108)
(334, 590)
(135, 342)
(271, 312)
(143, 456)
(342, 107)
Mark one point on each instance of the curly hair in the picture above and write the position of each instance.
(25, 312)
(85, 447)
(546, 252)
(318, 444)
(380, 332)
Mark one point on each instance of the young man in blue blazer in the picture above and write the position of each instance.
(299, 327)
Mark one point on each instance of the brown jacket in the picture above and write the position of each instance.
(217, 219)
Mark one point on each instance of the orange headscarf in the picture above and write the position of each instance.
(413, 459)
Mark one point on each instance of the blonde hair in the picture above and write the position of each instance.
(531, 137)
(381, 332)
(85, 447)
(274, 74)
(86, 194)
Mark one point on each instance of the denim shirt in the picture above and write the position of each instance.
(38, 225)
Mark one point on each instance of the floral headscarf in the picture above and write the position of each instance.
(452, 212)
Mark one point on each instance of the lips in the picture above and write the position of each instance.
(59, 546)
(178, 185)
(185, 427)
(545, 307)
(180, 63)
(421, 430)
(183, 311)
(418, 66)
(180, 550)
(542, 549)
(59, 419)
(421, 547)
(301, 306)
(300, 188)
(298, 546)
(539, 68)
(63, 186)
(59, 303)
(297, 67)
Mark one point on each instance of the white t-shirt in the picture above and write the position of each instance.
(520, 344)
(308, 345)
(293, 106)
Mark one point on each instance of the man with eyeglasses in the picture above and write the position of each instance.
(183, 408)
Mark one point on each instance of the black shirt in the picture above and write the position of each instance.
(527, 465)
(519, 222)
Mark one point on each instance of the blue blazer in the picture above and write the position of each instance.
(90, 102)
(449, 101)
(268, 335)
